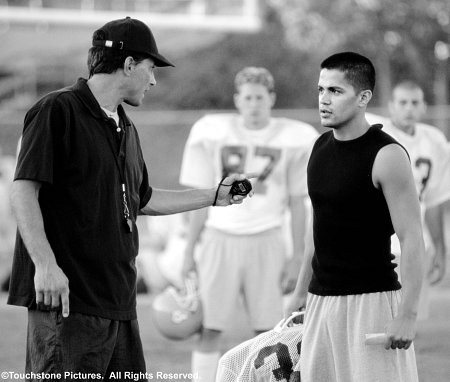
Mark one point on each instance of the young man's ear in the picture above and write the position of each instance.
(273, 97)
(236, 100)
(128, 65)
(364, 97)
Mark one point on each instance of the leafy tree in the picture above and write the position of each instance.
(400, 36)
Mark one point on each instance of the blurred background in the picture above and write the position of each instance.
(44, 46)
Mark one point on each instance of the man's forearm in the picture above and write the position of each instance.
(412, 275)
(306, 271)
(25, 205)
(197, 221)
(298, 227)
(167, 202)
(435, 222)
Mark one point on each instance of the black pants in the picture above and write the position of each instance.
(82, 347)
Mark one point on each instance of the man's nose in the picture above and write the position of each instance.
(324, 98)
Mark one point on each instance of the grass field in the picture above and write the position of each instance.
(162, 355)
(162, 145)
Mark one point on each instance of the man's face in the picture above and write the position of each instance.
(141, 78)
(338, 102)
(407, 107)
(254, 102)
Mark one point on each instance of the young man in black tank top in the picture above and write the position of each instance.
(361, 185)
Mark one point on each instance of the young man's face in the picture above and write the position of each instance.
(407, 107)
(141, 78)
(338, 102)
(254, 102)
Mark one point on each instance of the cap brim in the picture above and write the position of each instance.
(160, 60)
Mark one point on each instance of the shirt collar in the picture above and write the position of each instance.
(83, 92)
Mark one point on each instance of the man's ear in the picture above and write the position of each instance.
(273, 98)
(128, 65)
(236, 100)
(364, 97)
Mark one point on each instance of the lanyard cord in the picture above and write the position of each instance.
(123, 142)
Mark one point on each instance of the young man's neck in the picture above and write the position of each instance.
(256, 124)
(407, 129)
(104, 90)
(352, 129)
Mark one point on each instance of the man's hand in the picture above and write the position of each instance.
(400, 332)
(224, 198)
(290, 275)
(437, 268)
(295, 303)
(188, 263)
(51, 285)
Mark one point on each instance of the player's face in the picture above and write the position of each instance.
(254, 102)
(407, 107)
(141, 78)
(338, 102)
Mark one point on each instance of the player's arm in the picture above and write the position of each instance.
(298, 298)
(298, 215)
(50, 282)
(196, 225)
(393, 175)
(167, 202)
(435, 223)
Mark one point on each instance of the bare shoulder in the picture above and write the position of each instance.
(391, 164)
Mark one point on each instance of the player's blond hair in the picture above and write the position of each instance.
(254, 75)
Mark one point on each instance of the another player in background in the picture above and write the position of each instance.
(430, 161)
(361, 188)
(242, 252)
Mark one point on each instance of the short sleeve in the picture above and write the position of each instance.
(145, 191)
(41, 144)
(197, 168)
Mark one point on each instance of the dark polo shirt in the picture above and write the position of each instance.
(72, 148)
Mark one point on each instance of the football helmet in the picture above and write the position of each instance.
(177, 314)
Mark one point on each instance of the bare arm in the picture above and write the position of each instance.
(435, 223)
(298, 298)
(50, 282)
(298, 216)
(197, 221)
(393, 175)
(167, 202)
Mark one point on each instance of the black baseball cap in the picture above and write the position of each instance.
(131, 35)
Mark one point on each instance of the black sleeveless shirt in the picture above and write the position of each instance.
(352, 224)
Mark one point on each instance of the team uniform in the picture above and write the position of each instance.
(269, 357)
(242, 248)
(430, 161)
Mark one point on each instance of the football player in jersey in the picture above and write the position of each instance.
(243, 252)
(430, 160)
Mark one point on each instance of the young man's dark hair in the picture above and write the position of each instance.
(105, 60)
(359, 70)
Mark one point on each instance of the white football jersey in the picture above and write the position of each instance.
(269, 357)
(219, 145)
(430, 161)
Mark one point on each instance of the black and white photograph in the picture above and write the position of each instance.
(225, 191)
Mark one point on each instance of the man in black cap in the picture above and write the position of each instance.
(80, 183)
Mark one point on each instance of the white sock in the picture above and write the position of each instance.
(204, 366)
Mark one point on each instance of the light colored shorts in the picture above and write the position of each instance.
(231, 266)
(334, 349)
